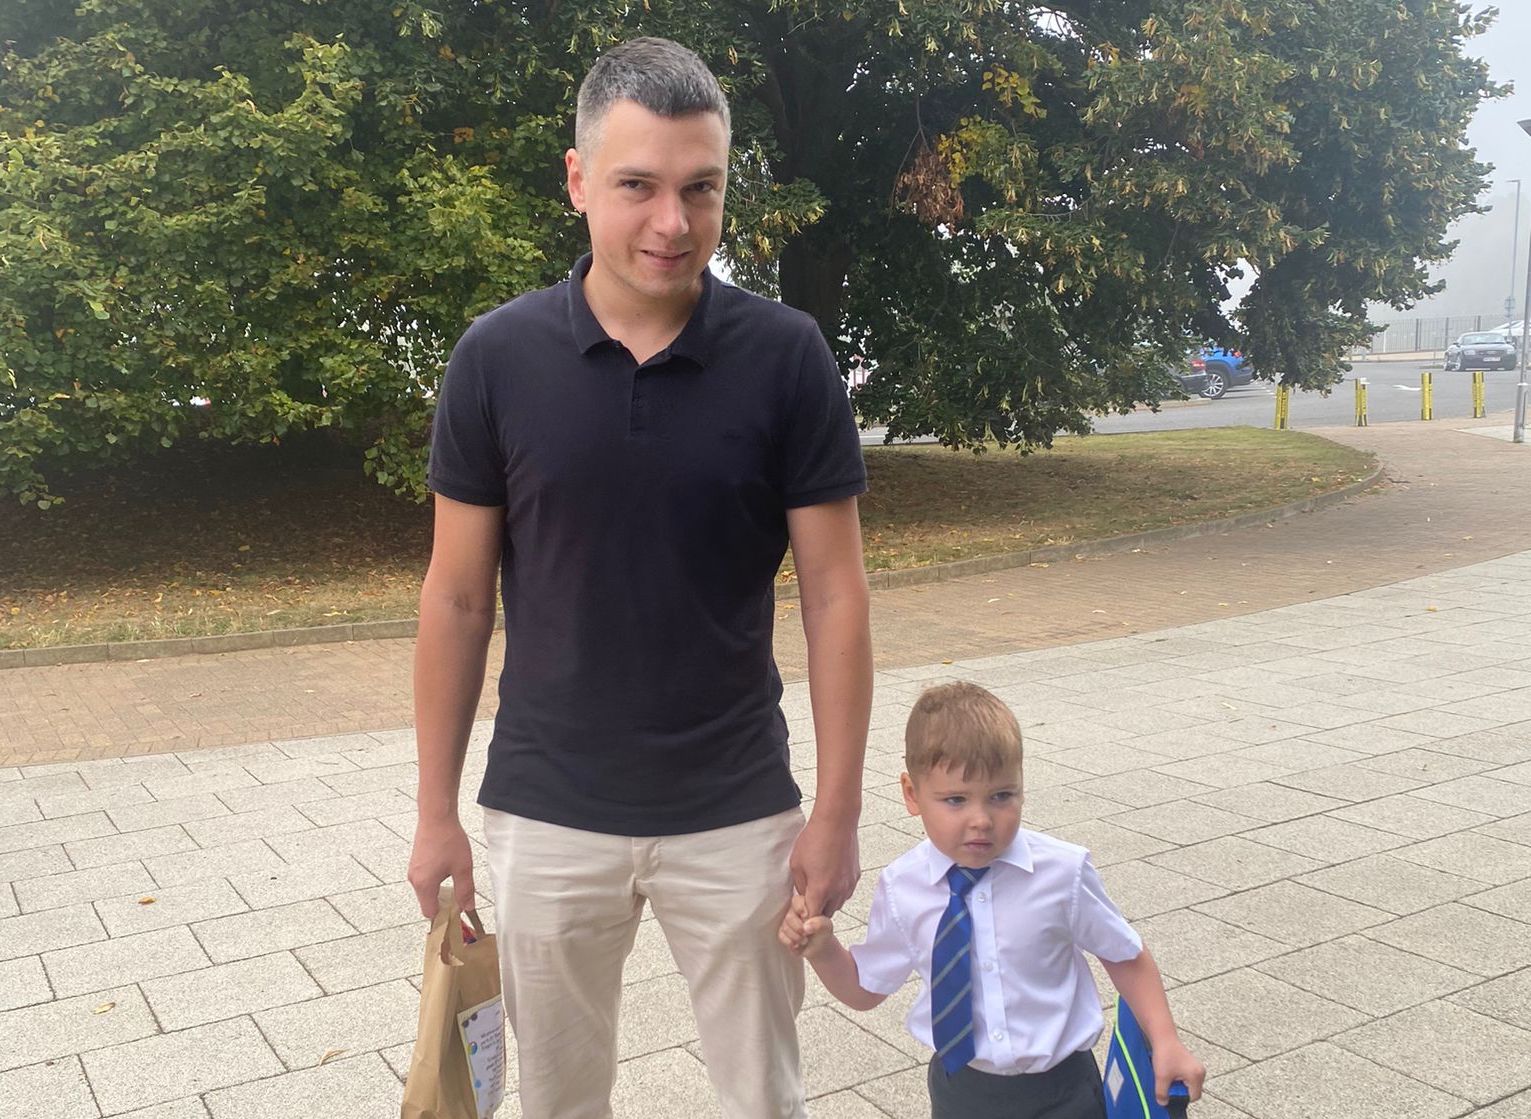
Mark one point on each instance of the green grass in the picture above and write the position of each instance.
(276, 538)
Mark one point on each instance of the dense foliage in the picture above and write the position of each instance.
(230, 220)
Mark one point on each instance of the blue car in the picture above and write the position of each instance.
(1223, 368)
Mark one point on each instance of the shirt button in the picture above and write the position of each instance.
(998, 1035)
(988, 965)
(983, 897)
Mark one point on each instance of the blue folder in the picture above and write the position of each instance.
(1129, 1076)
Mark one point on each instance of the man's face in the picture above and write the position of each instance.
(652, 192)
(971, 820)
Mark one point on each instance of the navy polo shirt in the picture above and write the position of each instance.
(645, 518)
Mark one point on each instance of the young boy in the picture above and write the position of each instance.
(996, 919)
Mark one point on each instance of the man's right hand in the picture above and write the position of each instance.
(441, 851)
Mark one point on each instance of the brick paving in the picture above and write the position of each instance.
(1445, 504)
(1307, 780)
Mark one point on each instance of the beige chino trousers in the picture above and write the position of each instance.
(567, 906)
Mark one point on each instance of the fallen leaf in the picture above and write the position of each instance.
(330, 1055)
(147, 901)
(1433, 609)
(104, 1007)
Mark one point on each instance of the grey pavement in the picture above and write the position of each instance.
(1318, 815)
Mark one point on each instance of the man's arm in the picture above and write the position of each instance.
(826, 551)
(457, 610)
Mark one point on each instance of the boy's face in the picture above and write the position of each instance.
(969, 819)
(652, 192)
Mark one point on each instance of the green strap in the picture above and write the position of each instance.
(1121, 1044)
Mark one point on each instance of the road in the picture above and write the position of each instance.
(1393, 393)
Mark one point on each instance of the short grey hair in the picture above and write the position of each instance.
(664, 77)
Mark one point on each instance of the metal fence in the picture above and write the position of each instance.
(1430, 335)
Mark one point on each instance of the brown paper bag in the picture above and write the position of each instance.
(458, 1067)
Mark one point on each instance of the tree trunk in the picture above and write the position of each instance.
(812, 275)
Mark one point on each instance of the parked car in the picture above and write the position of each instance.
(1483, 349)
(1223, 368)
(1191, 382)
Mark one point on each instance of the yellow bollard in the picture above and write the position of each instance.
(1361, 402)
(1426, 396)
(1477, 394)
(1283, 406)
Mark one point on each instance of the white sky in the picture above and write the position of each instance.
(1507, 50)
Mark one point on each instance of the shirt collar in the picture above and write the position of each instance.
(693, 342)
(1018, 855)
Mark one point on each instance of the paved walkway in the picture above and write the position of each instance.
(1317, 809)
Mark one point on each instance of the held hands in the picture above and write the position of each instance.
(806, 936)
(825, 864)
(1172, 1062)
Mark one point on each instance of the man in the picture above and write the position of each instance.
(633, 450)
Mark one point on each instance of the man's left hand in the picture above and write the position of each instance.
(826, 865)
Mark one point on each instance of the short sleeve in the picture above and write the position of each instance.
(1099, 927)
(883, 959)
(821, 448)
(466, 460)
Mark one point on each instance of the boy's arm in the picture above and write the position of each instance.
(1139, 982)
(814, 939)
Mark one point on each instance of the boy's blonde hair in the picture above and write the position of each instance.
(963, 727)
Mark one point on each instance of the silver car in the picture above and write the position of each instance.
(1481, 350)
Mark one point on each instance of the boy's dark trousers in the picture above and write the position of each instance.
(1069, 1090)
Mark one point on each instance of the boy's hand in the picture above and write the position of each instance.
(803, 934)
(1172, 1062)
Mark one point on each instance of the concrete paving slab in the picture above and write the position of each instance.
(1324, 1081)
(263, 931)
(287, 883)
(365, 960)
(1390, 884)
(340, 1090)
(1369, 976)
(360, 1021)
(1449, 1047)
(1234, 863)
(32, 933)
(174, 905)
(23, 983)
(57, 1089)
(1257, 1016)
(1189, 946)
(1293, 913)
(127, 959)
(173, 1066)
(65, 1027)
(213, 994)
(1484, 943)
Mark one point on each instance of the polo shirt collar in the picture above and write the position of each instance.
(1018, 855)
(694, 341)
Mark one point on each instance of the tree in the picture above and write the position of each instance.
(1019, 214)
(233, 221)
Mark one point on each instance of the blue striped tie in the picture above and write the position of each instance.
(951, 969)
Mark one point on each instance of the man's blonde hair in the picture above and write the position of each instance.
(963, 727)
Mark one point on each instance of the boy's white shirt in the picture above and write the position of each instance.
(1035, 913)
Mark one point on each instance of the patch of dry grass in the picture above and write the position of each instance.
(276, 538)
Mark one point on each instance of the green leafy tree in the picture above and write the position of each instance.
(234, 221)
(1018, 214)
